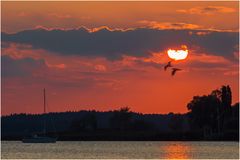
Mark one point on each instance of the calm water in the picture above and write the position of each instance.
(113, 150)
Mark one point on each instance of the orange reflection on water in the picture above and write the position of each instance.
(176, 150)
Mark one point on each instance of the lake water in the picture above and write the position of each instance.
(121, 150)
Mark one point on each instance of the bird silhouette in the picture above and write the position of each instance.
(174, 70)
(168, 65)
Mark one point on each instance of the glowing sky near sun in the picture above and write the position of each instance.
(105, 55)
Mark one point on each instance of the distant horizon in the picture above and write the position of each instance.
(91, 110)
(95, 110)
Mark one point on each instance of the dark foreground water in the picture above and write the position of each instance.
(126, 149)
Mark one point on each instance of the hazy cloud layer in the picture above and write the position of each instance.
(20, 67)
(207, 10)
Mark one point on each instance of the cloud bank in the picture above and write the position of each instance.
(113, 44)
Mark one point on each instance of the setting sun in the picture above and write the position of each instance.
(177, 54)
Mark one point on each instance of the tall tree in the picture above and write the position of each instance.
(204, 111)
(226, 97)
(213, 110)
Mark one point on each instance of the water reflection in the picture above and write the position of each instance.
(176, 150)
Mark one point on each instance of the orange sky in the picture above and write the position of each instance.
(78, 81)
(18, 16)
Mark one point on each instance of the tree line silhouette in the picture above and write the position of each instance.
(210, 117)
(213, 114)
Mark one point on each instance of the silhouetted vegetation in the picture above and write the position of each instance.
(176, 122)
(210, 117)
(87, 122)
(213, 114)
(121, 119)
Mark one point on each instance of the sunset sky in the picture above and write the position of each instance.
(107, 55)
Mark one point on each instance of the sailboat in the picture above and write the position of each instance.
(43, 138)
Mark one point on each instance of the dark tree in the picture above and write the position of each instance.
(121, 119)
(214, 111)
(87, 122)
(224, 94)
(204, 111)
(176, 122)
(142, 125)
(235, 110)
(226, 97)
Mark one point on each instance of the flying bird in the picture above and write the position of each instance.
(174, 70)
(168, 65)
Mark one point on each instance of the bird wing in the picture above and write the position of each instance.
(169, 64)
(173, 72)
(165, 67)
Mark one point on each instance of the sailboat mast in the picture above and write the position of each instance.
(44, 110)
(44, 101)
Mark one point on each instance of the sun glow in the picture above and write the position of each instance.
(178, 54)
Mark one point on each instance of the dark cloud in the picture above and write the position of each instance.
(29, 71)
(112, 44)
(20, 67)
(207, 65)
